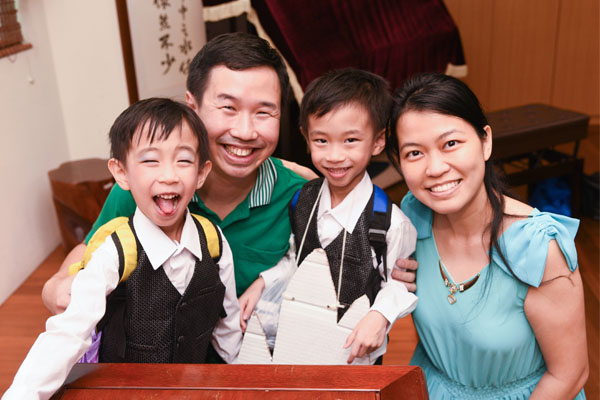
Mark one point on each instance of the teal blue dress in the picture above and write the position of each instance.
(482, 346)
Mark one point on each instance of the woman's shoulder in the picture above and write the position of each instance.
(516, 208)
(527, 236)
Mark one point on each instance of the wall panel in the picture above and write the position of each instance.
(576, 84)
(474, 21)
(520, 52)
(523, 43)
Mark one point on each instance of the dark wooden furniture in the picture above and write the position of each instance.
(523, 145)
(201, 381)
(79, 189)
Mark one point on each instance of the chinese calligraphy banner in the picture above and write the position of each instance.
(165, 36)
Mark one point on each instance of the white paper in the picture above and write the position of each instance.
(308, 332)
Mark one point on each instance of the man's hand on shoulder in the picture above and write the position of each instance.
(301, 170)
(56, 293)
(405, 271)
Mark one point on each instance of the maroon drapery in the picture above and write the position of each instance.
(393, 38)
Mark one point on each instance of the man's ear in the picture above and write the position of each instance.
(191, 101)
(487, 142)
(117, 169)
(379, 143)
(203, 172)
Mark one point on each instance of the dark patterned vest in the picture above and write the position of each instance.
(148, 321)
(358, 277)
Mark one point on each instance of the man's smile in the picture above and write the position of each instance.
(238, 151)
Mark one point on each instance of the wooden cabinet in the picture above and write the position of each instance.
(201, 381)
(79, 189)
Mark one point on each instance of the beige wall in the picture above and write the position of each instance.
(528, 51)
(86, 51)
(57, 102)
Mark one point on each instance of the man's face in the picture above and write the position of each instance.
(241, 112)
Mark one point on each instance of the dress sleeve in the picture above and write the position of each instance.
(119, 203)
(419, 214)
(525, 245)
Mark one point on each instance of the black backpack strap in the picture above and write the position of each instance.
(381, 217)
(115, 306)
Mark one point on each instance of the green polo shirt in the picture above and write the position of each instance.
(257, 230)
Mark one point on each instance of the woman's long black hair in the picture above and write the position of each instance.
(446, 95)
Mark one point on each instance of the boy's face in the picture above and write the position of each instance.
(162, 176)
(341, 144)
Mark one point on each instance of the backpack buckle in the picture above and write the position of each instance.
(377, 236)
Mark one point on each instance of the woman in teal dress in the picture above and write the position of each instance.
(501, 312)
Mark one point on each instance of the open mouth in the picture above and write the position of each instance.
(238, 151)
(444, 187)
(167, 203)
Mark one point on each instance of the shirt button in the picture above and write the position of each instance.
(180, 339)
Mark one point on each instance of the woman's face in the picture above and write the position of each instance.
(443, 160)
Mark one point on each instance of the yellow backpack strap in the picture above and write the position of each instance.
(125, 242)
(213, 239)
(127, 249)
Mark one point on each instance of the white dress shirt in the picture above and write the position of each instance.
(68, 335)
(393, 300)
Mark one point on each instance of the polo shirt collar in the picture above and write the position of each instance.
(158, 246)
(262, 191)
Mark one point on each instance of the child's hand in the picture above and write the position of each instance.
(367, 336)
(249, 299)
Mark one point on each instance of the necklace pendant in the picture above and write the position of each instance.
(451, 299)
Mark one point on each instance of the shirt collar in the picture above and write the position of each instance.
(262, 191)
(266, 178)
(349, 210)
(158, 246)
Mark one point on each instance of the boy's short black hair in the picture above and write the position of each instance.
(344, 86)
(237, 51)
(159, 117)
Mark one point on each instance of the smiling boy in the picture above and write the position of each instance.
(178, 298)
(343, 117)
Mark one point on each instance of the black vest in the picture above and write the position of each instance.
(148, 321)
(359, 277)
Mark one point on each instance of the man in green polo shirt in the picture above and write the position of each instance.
(238, 85)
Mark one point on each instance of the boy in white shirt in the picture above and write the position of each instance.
(343, 117)
(177, 298)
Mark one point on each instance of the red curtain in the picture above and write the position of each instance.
(393, 38)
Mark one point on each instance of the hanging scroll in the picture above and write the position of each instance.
(164, 36)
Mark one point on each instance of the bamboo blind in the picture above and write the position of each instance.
(11, 38)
